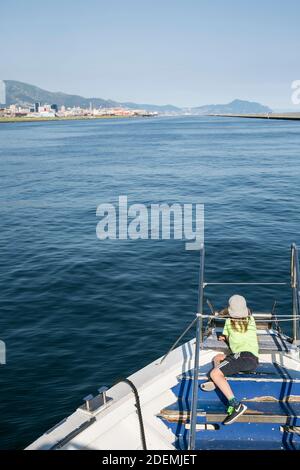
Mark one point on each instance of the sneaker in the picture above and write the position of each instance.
(208, 386)
(233, 412)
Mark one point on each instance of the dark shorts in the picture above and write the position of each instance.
(240, 362)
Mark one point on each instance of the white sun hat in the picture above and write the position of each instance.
(237, 307)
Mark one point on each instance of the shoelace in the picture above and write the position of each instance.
(230, 410)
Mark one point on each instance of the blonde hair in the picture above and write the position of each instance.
(240, 325)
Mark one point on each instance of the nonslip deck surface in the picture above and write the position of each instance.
(272, 419)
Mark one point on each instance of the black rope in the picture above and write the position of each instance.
(139, 410)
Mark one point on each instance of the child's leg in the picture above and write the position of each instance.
(218, 359)
(231, 365)
(219, 379)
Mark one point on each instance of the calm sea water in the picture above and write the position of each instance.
(77, 313)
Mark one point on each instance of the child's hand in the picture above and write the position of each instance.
(221, 338)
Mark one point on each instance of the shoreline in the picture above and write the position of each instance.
(67, 118)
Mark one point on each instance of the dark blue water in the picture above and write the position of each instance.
(76, 312)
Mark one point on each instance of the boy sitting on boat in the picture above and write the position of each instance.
(240, 333)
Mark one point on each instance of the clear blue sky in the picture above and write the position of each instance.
(184, 52)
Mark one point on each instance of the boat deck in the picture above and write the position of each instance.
(272, 420)
(272, 395)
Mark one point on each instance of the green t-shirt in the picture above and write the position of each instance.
(240, 342)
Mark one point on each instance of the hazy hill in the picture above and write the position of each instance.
(25, 95)
(163, 108)
(235, 107)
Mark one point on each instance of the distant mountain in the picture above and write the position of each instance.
(163, 108)
(24, 94)
(235, 107)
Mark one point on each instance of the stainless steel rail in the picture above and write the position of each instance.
(193, 419)
(245, 284)
(259, 318)
(178, 340)
(295, 285)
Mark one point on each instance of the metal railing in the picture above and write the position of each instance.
(295, 285)
(199, 325)
(295, 318)
(178, 340)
